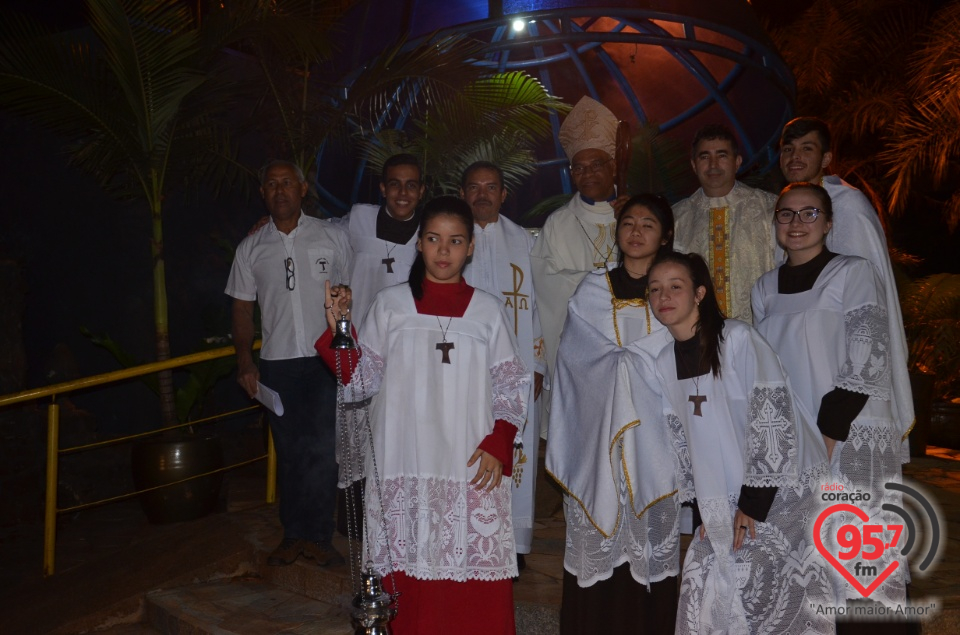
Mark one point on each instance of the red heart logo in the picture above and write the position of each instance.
(859, 513)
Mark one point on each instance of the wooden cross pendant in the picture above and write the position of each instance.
(697, 400)
(445, 347)
(389, 262)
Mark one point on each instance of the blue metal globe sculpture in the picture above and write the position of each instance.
(677, 64)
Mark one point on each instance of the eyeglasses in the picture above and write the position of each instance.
(784, 215)
(591, 167)
(291, 278)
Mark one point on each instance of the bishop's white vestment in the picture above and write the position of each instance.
(577, 238)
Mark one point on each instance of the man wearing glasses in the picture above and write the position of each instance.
(580, 236)
(725, 221)
(805, 154)
(283, 266)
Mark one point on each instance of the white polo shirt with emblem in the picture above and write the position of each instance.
(291, 319)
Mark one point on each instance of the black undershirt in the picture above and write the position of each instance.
(755, 502)
(626, 287)
(396, 231)
(839, 407)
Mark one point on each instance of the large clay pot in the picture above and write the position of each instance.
(160, 461)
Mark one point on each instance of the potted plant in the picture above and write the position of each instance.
(183, 452)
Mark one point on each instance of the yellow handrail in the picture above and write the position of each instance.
(53, 436)
(117, 375)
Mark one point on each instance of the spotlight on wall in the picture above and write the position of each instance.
(519, 25)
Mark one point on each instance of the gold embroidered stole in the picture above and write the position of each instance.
(719, 256)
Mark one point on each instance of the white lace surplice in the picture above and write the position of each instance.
(747, 435)
(836, 335)
(428, 418)
(857, 232)
(608, 446)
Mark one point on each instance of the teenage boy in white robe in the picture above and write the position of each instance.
(500, 265)
(805, 155)
(384, 237)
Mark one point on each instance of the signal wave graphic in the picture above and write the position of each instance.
(909, 524)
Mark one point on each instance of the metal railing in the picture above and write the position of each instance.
(53, 439)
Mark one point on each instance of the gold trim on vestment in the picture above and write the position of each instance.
(568, 492)
(909, 430)
(655, 501)
(719, 256)
(619, 304)
(623, 461)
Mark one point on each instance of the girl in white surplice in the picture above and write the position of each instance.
(448, 392)
(609, 446)
(825, 316)
(750, 465)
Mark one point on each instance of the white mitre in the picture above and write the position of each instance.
(590, 125)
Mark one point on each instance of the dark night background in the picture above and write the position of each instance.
(85, 258)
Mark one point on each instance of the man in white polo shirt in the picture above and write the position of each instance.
(283, 266)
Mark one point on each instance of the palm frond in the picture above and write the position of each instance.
(926, 142)
(408, 82)
(497, 118)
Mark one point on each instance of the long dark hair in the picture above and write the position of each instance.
(660, 208)
(710, 325)
(440, 206)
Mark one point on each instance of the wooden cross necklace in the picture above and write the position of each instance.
(444, 346)
(388, 261)
(697, 399)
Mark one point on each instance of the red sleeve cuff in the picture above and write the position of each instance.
(499, 444)
(348, 358)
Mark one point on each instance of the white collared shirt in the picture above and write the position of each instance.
(291, 320)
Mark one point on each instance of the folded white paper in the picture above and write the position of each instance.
(270, 399)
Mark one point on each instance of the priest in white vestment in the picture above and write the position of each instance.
(501, 266)
(580, 236)
(804, 156)
(726, 222)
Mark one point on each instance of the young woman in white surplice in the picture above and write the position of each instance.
(825, 316)
(609, 447)
(449, 388)
(753, 470)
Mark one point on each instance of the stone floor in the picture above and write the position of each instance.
(112, 551)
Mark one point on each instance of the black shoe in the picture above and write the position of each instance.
(286, 552)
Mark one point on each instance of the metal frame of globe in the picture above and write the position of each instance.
(555, 40)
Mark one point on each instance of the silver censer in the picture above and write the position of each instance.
(342, 338)
(371, 607)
